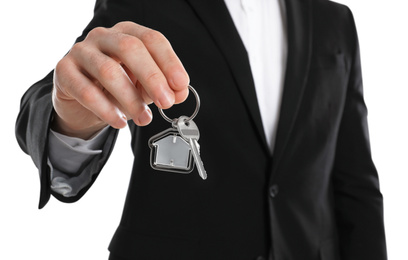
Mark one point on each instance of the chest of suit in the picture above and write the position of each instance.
(231, 208)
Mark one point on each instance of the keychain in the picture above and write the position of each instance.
(176, 149)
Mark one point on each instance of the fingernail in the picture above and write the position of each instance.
(167, 99)
(122, 122)
(145, 117)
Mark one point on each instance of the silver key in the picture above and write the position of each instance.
(189, 131)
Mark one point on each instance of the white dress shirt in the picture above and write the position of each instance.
(261, 25)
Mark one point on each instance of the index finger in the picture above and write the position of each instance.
(152, 60)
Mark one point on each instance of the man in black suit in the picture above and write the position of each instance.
(301, 187)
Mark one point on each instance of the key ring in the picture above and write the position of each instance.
(195, 111)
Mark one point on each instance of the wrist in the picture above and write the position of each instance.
(60, 126)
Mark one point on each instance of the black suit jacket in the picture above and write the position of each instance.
(317, 197)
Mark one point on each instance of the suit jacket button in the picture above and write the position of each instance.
(260, 258)
(273, 191)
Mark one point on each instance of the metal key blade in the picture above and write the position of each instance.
(189, 131)
(197, 158)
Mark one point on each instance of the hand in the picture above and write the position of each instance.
(112, 76)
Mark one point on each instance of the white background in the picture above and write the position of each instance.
(36, 34)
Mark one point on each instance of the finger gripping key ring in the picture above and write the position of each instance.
(195, 111)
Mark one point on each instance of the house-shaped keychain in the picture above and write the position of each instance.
(170, 152)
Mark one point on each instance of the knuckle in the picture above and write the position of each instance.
(78, 48)
(153, 78)
(87, 95)
(61, 66)
(63, 73)
(129, 44)
(152, 36)
(123, 25)
(108, 71)
(96, 32)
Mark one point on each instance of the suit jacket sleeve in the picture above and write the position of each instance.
(358, 201)
(36, 112)
(32, 128)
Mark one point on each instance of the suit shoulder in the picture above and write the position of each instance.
(332, 8)
(333, 13)
(333, 25)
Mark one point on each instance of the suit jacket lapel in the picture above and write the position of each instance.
(299, 30)
(215, 16)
